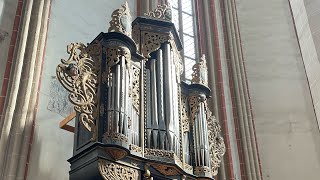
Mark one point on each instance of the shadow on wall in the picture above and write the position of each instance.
(43, 163)
(41, 173)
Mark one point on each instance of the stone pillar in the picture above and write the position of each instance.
(21, 102)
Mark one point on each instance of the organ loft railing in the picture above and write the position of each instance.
(135, 117)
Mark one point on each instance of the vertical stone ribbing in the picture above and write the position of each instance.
(27, 135)
(211, 43)
(22, 101)
(243, 105)
(12, 97)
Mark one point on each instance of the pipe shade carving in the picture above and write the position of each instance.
(79, 75)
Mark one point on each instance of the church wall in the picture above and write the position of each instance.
(70, 21)
(286, 125)
(8, 10)
(311, 53)
(306, 17)
(304, 14)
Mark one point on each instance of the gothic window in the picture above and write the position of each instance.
(183, 16)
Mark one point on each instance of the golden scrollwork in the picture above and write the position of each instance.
(159, 153)
(162, 12)
(151, 41)
(188, 167)
(121, 20)
(136, 88)
(135, 148)
(117, 136)
(200, 72)
(201, 169)
(216, 143)
(112, 171)
(194, 106)
(114, 55)
(185, 114)
(79, 76)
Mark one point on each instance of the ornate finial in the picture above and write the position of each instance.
(200, 72)
(121, 20)
(162, 12)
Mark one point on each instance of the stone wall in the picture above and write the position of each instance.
(286, 125)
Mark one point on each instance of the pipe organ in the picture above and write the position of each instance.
(136, 117)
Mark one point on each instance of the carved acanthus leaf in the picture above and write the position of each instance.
(152, 41)
(216, 143)
(121, 20)
(200, 72)
(162, 12)
(112, 171)
(185, 113)
(79, 76)
(194, 106)
(136, 88)
(114, 55)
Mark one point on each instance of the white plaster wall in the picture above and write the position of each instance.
(286, 126)
(307, 19)
(70, 21)
(7, 14)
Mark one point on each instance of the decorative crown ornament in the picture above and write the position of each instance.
(121, 20)
(162, 12)
(200, 72)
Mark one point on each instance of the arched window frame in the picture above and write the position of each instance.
(184, 18)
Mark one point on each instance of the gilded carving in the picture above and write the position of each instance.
(121, 20)
(194, 106)
(162, 12)
(136, 88)
(117, 136)
(185, 113)
(135, 148)
(216, 142)
(202, 169)
(79, 76)
(159, 153)
(188, 167)
(114, 55)
(112, 171)
(200, 72)
(152, 42)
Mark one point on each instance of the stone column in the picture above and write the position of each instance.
(21, 104)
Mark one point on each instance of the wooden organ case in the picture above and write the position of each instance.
(136, 118)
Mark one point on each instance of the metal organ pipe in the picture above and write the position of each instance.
(154, 108)
(200, 135)
(168, 94)
(159, 80)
